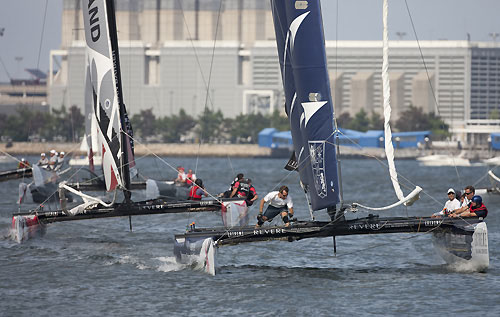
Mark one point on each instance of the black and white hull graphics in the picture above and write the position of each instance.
(466, 250)
(199, 252)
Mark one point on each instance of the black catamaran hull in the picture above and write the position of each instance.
(29, 225)
(472, 233)
(16, 174)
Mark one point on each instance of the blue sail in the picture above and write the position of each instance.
(312, 85)
(292, 107)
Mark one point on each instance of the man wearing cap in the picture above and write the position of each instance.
(52, 159)
(181, 176)
(450, 205)
(43, 161)
(469, 192)
(60, 161)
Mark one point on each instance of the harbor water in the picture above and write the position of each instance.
(100, 268)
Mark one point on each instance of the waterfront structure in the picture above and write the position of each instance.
(166, 55)
(29, 94)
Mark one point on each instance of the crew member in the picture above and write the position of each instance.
(241, 189)
(43, 161)
(476, 209)
(60, 161)
(190, 177)
(279, 203)
(197, 190)
(450, 205)
(52, 159)
(181, 176)
(469, 192)
(228, 192)
(252, 194)
(23, 164)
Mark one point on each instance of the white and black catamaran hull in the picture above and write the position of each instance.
(472, 231)
(195, 250)
(26, 227)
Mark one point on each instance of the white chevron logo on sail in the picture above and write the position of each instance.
(310, 108)
(294, 27)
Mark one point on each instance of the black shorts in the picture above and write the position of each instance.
(272, 211)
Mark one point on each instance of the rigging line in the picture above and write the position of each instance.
(5, 68)
(166, 163)
(51, 195)
(436, 102)
(40, 47)
(207, 95)
(483, 177)
(336, 59)
(383, 163)
(230, 163)
(376, 158)
(12, 157)
(193, 46)
(38, 58)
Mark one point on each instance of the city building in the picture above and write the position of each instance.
(202, 55)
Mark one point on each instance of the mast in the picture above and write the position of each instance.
(110, 10)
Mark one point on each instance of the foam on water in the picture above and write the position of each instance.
(169, 264)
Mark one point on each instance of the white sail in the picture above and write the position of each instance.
(90, 144)
(102, 60)
(389, 148)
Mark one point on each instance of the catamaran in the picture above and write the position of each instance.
(115, 142)
(308, 104)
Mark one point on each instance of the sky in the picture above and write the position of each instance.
(27, 40)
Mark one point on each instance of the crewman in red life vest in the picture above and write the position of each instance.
(252, 195)
(197, 190)
(476, 209)
(23, 164)
(241, 189)
(190, 177)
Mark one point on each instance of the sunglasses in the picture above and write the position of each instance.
(468, 193)
(284, 195)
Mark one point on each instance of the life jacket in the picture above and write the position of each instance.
(192, 193)
(189, 179)
(480, 211)
(251, 194)
(243, 189)
(24, 164)
(231, 187)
